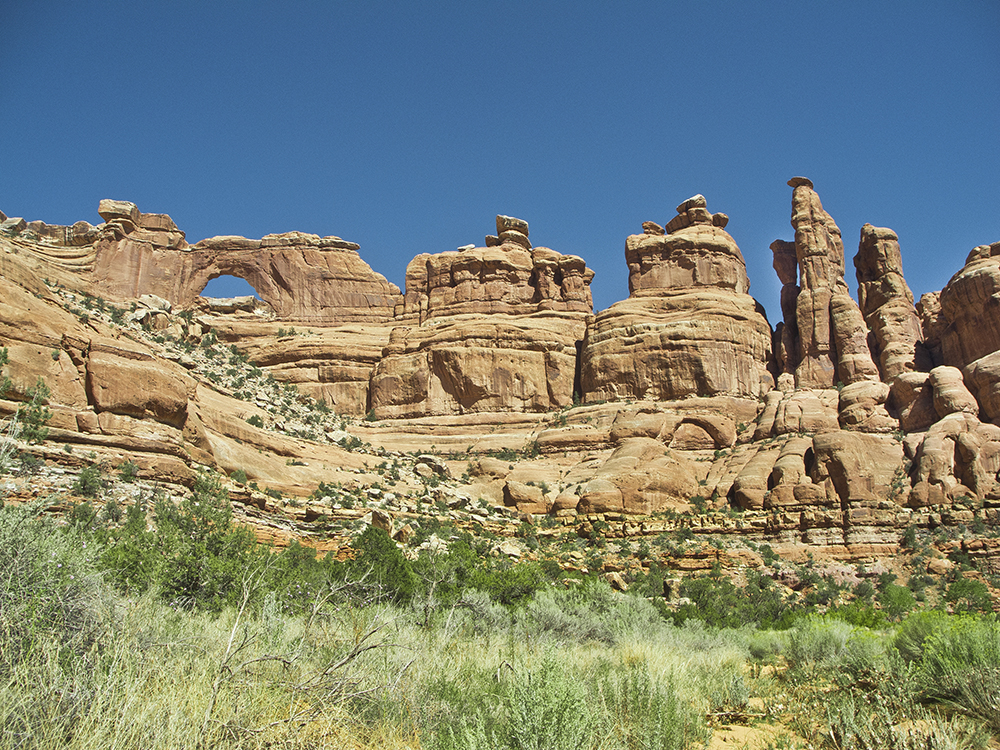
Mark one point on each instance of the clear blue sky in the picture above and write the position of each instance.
(406, 127)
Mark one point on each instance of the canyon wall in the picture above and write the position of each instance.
(847, 422)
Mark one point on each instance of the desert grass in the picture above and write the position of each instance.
(83, 666)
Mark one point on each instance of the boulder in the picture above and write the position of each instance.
(525, 497)
(111, 210)
(861, 467)
(912, 397)
(640, 477)
(949, 393)
(125, 381)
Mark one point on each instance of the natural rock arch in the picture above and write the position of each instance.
(301, 276)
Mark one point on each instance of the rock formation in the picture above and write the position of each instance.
(486, 329)
(970, 325)
(688, 327)
(883, 416)
(303, 277)
(887, 304)
(507, 276)
(830, 343)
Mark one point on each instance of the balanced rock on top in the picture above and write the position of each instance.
(689, 326)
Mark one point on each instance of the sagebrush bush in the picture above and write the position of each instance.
(858, 722)
(817, 641)
(476, 613)
(540, 706)
(591, 611)
(643, 711)
(914, 631)
(50, 590)
(961, 666)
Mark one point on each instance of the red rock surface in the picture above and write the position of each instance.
(865, 419)
(688, 327)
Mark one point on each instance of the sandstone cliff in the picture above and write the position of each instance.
(676, 408)
(688, 328)
(486, 329)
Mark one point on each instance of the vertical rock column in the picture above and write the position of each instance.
(887, 303)
(786, 333)
(832, 335)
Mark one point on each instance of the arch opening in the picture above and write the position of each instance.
(225, 286)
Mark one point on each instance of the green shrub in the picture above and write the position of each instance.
(896, 600)
(255, 421)
(90, 482)
(859, 613)
(382, 566)
(194, 557)
(82, 516)
(299, 578)
(5, 382)
(588, 612)
(239, 476)
(967, 595)
(510, 584)
(112, 510)
(716, 601)
(35, 414)
(30, 464)
(128, 472)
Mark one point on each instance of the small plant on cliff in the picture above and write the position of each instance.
(34, 414)
(5, 384)
(255, 421)
(89, 483)
(128, 472)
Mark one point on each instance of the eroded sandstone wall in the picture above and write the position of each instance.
(689, 327)
(486, 329)
(303, 277)
(883, 414)
(969, 328)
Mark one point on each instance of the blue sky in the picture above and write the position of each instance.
(406, 127)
